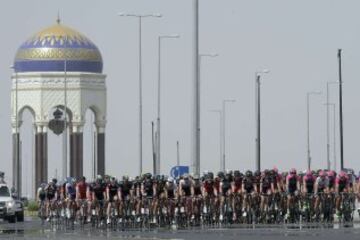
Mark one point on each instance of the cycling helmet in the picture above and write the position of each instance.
(99, 177)
(170, 179)
(221, 174)
(275, 169)
(266, 172)
(236, 173)
(331, 174)
(211, 175)
(293, 171)
(322, 174)
(248, 173)
(342, 174)
(43, 185)
(257, 173)
(309, 173)
(125, 178)
(54, 180)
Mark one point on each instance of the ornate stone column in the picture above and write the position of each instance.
(100, 141)
(41, 155)
(17, 168)
(76, 151)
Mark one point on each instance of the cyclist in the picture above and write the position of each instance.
(186, 191)
(225, 191)
(236, 187)
(341, 186)
(248, 189)
(292, 187)
(82, 196)
(98, 194)
(70, 192)
(321, 187)
(41, 197)
(51, 195)
(308, 187)
(112, 197)
(266, 190)
(197, 200)
(126, 190)
(170, 195)
(148, 191)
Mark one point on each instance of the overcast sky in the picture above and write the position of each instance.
(296, 40)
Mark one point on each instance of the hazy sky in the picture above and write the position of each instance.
(296, 40)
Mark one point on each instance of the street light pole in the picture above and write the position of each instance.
(308, 126)
(328, 125)
(258, 118)
(223, 163)
(341, 114)
(140, 17)
(158, 161)
(220, 134)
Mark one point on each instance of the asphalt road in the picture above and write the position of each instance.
(32, 229)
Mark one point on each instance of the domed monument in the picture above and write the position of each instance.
(58, 70)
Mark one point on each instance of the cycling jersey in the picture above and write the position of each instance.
(99, 189)
(170, 188)
(322, 184)
(186, 187)
(292, 182)
(50, 191)
(209, 187)
(82, 187)
(342, 183)
(225, 186)
(70, 191)
(309, 182)
(160, 188)
(148, 187)
(248, 184)
(125, 188)
(113, 190)
(41, 194)
(197, 188)
(266, 184)
(331, 182)
(237, 184)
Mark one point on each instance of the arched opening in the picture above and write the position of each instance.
(56, 142)
(26, 150)
(89, 146)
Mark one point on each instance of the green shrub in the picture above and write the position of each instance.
(33, 206)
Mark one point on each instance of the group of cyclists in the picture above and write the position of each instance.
(226, 197)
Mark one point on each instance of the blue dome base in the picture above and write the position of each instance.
(58, 66)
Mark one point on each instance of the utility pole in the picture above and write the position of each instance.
(341, 114)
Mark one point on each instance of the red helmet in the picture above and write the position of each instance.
(331, 173)
(343, 174)
(293, 171)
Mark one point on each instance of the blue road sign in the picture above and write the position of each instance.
(178, 171)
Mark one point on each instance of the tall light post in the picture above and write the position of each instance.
(258, 118)
(195, 130)
(196, 122)
(161, 37)
(140, 17)
(328, 124)
(333, 105)
(218, 111)
(223, 163)
(341, 114)
(334, 134)
(308, 94)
